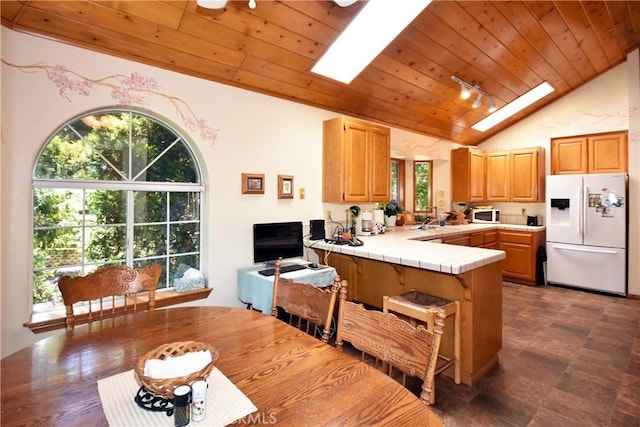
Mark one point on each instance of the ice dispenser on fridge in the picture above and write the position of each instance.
(559, 212)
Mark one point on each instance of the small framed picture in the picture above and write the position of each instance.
(285, 187)
(252, 183)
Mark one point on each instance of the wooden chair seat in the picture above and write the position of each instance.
(412, 350)
(305, 302)
(108, 283)
(419, 306)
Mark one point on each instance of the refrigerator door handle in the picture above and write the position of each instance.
(585, 208)
(583, 249)
(581, 210)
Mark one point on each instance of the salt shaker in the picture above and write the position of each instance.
(181, 405)
(199, 400)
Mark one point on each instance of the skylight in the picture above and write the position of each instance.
(375, 26)
(520, 103)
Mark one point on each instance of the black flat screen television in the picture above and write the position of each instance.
(275, 240)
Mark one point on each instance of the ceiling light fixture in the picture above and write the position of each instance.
(520, 103)
(344, 3)
(478, 100)
(212, 4)
(373, 28)
(467, 89)
(220, 4)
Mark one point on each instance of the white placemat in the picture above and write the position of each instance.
(225, 402)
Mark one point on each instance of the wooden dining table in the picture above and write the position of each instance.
(291, 376)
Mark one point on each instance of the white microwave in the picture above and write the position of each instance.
(485, 216)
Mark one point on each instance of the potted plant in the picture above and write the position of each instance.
(391, 212)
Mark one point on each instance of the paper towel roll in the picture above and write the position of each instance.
(378, 216)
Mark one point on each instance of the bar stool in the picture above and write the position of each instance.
(418, 306)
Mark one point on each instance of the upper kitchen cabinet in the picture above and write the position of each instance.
(467, 175)
(498, 176)
(527, 175)
(498, 165)
(596, 153)
(515, 175)
(356, 161)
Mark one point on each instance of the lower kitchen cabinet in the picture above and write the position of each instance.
(521, 249)
(490, 239)
(462, 240)
(484, 239)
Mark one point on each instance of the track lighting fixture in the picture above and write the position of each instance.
(467, 89)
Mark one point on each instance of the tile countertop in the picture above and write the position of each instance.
(411, 247)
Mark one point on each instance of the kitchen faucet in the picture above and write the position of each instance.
(429, 221)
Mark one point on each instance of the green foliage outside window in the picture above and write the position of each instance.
(84, 181)
(423, 184)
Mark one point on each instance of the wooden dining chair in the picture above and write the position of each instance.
(107, 284)
(308, 307)
(417, 307)
(412, 350)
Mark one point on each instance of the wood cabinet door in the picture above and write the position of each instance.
(498, 176)
(608, 153)
(379, 164)
(356, 170)
(569, 155)
(345, 268)
(518, 261)
(526, 180)
(477, 176)
(467, 175)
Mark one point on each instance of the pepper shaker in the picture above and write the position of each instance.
(181, 405)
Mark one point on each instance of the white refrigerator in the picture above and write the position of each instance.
(586, 217)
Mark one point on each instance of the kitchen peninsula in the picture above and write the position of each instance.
(405, 258)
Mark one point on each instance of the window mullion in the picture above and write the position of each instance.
(129, 227)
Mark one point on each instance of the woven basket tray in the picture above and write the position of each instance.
(164, 387)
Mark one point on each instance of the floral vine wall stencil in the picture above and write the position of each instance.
(126, 90)
(408, 146)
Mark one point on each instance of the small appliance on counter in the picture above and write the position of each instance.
(485, 215)
(533, 220)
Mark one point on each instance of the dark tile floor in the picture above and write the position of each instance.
(569, 358)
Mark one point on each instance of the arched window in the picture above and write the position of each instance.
(113, 187)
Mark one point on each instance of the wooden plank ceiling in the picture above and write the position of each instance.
(504, 47)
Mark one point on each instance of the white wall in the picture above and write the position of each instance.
(257, 134)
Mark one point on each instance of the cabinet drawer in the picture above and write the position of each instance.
(490, 237)
(476, 239)
(516, 237)
(462, 240)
